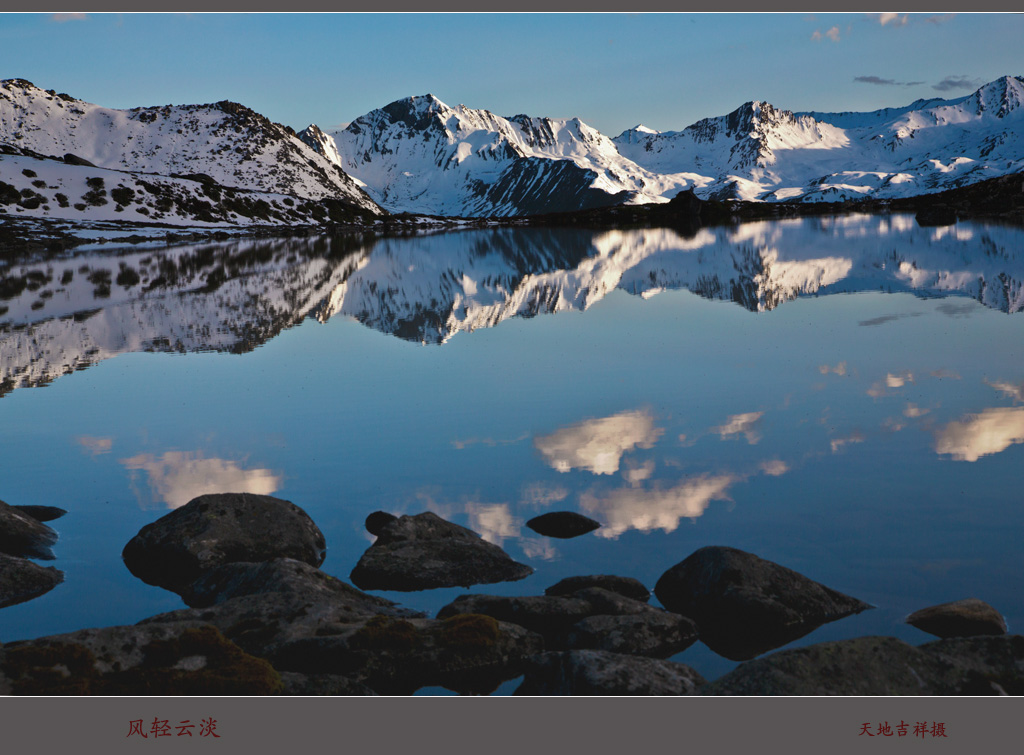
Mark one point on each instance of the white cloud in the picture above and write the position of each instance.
(855, 437)
(890, 18)
(741, 424)
(833, 34)
(913, 411)
(1008, 389)
(597, 445)
(539, 495)
(645, 510)
(775, 467)
(60, 18)
(95, 446)
(493, 521)
(898, 380)
(635, 475)
(176, 477)
(977, 435)
(839, 369)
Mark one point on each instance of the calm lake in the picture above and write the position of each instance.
(843, 396)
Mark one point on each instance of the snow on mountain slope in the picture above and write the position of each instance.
(420, 155)
(230, 143)
(37, 187)
(761, 153)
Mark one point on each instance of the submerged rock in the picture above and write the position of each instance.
(23, 535)
(156, 659)
(425, 551)
(596, 672)
(21, 580)
(211, 530)
(562, 524)
(745, 605)
(962, 618)
(631, 588)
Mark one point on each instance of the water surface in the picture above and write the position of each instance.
(842, 396)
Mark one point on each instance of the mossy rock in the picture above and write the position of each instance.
(195, 661)
(469, 630)
(385, 633)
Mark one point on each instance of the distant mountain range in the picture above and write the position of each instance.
(65, 312)
(223, 164)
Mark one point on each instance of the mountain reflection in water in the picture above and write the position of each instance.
(64, 313)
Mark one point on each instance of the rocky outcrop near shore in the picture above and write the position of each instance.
(276, 624)
(746, 605)
(211, 530)
(23, 536)
(425, 551)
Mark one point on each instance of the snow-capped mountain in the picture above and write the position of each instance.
(421, 155)
(64, 312)
(759, 152)
(225, 144)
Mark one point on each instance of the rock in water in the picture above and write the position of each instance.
(23, 535)
(42, 513)
(425, 551)
(745, 605)
(221, 528)
(562, 524)
(375, 522)
(631, 588)
(962, 618)
(22, 580)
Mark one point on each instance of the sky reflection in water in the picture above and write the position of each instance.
(692, 391)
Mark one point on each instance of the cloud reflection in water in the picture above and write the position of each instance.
(977, 435)
(176, 477)
(597, 445)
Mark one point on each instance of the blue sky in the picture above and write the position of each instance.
(612, 71)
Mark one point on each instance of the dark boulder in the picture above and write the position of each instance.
(211, 530)
(562, 524)
(22, 580)
(631, 588)
(657, 634)
(552, 616)
(284, 575)
(23, 535)
(548, 615)
(158, 659)
(70, 159)
(596, 672)
(745, 605)
(375, 522)
(883, 666)
(962, 618)
(470, 654)
(425, 551)
(42, 513)
(260, 605)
